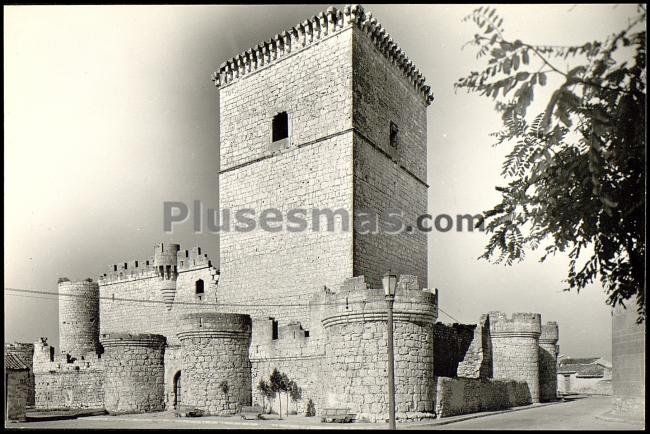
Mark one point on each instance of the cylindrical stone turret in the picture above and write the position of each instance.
(548, 350)
(356, 363)
(78, 317)
(134, 373)
(166, 266)
(215, 364)
(515, 348)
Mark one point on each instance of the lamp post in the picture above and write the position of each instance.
(389, 282)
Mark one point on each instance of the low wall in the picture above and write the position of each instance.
(591, 386)
(469, 395)
(16, 393)
(69, 389)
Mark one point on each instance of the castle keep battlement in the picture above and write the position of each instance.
(312, 31)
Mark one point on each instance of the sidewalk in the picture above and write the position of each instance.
(302, 422)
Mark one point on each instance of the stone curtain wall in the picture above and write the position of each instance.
(294, 353)
(313, 85)
(628, 362)
(134, 372)
(78, 318)
(214, 349)
(548, 350)
(68, 389)
(16, 390)
(25, 352)
(306, 371)
(451, 345)
(388, 177)
(143, 283)
(515, 348)
(356, 355)
(456, 396)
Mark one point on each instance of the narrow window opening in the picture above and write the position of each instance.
(114, 267)
(126, 265)
(306, 333)
(394, 135)
(280, 126)
(274, 332)
(136, 264)
(199, 289)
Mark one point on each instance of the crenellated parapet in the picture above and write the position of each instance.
(520, 324)
(355, 302)
(310, 32)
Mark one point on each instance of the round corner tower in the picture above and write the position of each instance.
(548, 350)
(134, 373)
(515, 348)
(357, 360)
(166, 266)
(215, 362)
(78, 317)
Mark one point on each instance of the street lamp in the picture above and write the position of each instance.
(389, 282)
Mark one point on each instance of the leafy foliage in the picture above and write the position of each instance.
(576, 172)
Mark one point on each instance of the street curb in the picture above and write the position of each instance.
(417, 425)
(464, 417)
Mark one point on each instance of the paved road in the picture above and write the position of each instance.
(579, 414)
(582, 414)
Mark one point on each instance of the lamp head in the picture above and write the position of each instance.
(389, 282)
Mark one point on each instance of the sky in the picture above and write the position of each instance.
(110, 111)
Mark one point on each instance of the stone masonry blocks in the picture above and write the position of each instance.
(356, 356)
(548, 351)
(515, 348)
(216, 368)
(133, 372)
(78, 317)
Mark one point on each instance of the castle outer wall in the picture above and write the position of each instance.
(628, 363)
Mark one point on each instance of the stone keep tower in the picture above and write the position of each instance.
(78, 317)
(329, 114)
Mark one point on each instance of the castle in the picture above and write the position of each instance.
(329, 114)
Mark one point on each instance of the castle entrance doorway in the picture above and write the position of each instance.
(177, 389)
